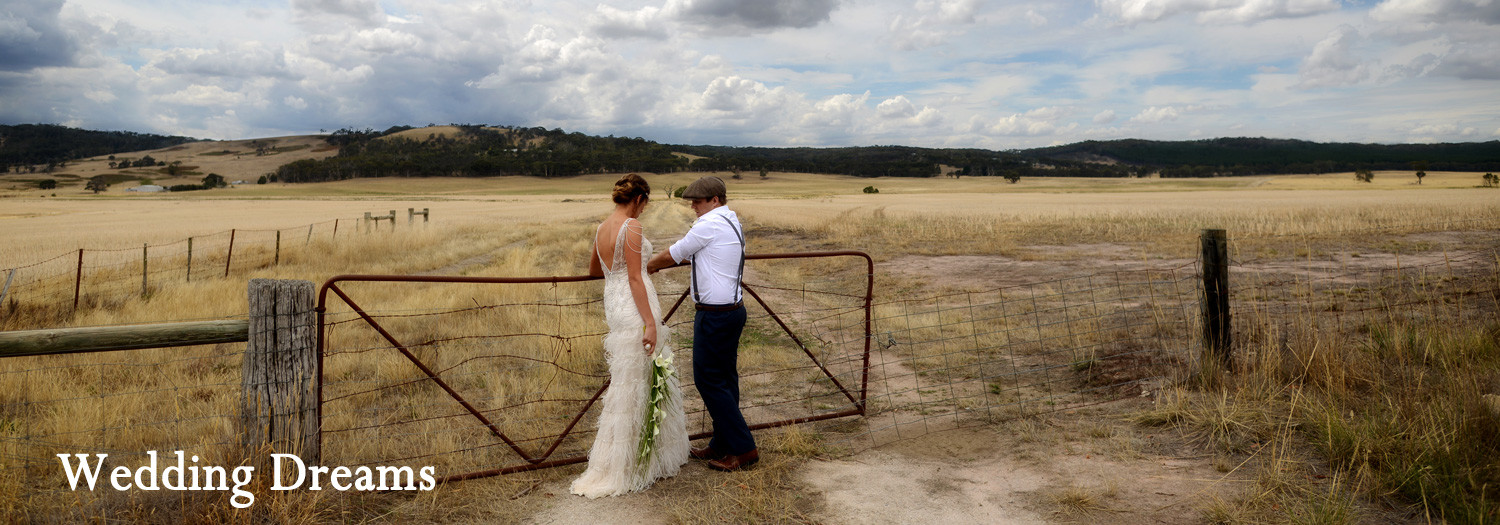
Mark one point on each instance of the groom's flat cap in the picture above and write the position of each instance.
(705, 188)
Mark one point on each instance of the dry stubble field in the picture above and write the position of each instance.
(1123, 460)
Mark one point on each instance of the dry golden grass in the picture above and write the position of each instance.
(517, 226)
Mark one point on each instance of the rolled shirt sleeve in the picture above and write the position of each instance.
(697, 237)
(715, 248)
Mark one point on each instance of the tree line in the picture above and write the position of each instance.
(1227, 157)
(480, 151)
(45, 147)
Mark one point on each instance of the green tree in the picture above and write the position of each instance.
(1364, 175)
(1012, 176)
(213, 180)
(47, 184)
(97, 184)
(261, 180)
(1491, 180)
(1419, 166)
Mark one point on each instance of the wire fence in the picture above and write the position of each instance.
(514, 382)
(528, 358)
(56, 287)
(978, 357)
(1361, 287)
(523, 376)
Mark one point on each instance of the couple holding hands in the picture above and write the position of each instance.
(642, 432)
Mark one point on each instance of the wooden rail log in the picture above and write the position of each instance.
(130, 337)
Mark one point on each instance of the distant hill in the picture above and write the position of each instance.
(478, 150)
(1117, 158)
(43, 144)
(1249, 156)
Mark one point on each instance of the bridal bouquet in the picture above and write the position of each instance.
(656, 397)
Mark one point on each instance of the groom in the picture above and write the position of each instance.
(716, 246)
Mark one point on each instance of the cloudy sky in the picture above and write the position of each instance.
(936, 73)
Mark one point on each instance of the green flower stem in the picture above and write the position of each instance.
(656, 394)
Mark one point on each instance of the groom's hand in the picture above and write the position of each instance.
(659, 261)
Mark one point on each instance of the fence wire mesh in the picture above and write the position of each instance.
(522, 368)
(977, 357)
(531, 364)
(1365, 287)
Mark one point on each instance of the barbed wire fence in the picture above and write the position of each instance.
(88, 278)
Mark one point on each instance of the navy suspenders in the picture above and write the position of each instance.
(738, 279)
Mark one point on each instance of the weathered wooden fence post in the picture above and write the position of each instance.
(190, 260)
(145, 262)
(393, 220)
(229, 254)
(412, 213)
(78, 281)
(1216, 327)
(279, 395)
(277, 260)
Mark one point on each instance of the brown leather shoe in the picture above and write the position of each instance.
(705, 453)
(732, 463)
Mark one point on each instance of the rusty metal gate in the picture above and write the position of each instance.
(505, 385)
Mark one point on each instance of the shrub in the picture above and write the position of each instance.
(185, 187)
(47, 184)
(871, 189)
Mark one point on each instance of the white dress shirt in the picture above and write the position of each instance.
(715, 245)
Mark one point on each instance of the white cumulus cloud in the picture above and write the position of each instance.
(1157, 114)
(1212, 11)
(1335, 61)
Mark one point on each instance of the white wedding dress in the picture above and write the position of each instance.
(614, 466)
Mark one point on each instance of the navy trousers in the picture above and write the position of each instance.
(716, 346)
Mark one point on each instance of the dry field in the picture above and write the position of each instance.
(1236, 450)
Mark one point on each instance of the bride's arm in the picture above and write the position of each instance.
(595, 269)
(638, 285)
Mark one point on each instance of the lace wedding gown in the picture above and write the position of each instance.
(614, 466)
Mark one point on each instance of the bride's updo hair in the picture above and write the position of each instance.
(629, 188)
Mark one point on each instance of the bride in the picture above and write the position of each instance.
(642, 434)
